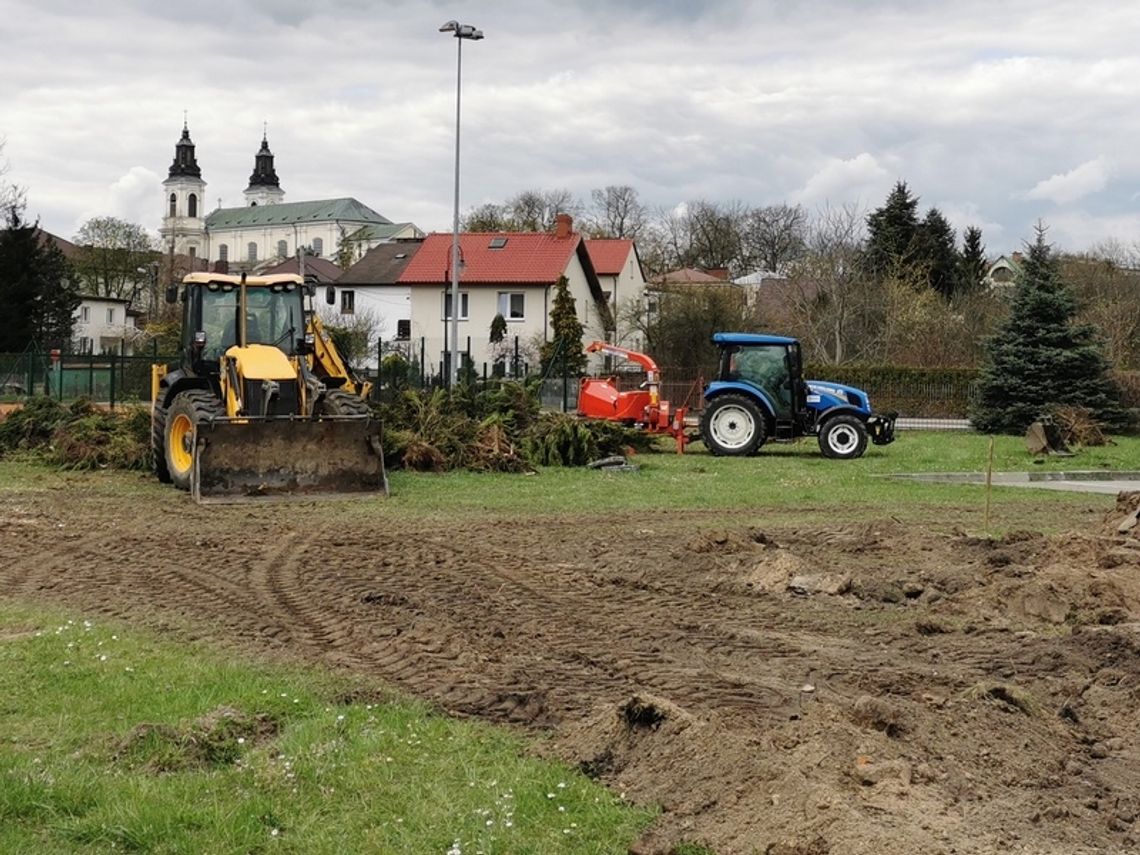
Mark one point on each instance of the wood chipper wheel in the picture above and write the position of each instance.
(158, 444)
(188, 410)
(338, 403)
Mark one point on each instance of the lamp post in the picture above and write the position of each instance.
(461, 32)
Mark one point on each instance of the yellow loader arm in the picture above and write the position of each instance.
(327, 362)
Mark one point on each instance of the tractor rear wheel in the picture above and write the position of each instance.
(188, 410)
(158, 443)
(843, 437)
(338, 403)
(733, 426)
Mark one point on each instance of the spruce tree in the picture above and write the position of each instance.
(972, 263)
(565, 346)
(892, 231)
(36, 287)
(1041, 357)
(935, 248)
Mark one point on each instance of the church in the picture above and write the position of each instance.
(266, 229)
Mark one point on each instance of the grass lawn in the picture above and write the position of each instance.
(115, 740)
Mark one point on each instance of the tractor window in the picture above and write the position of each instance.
(763, 366)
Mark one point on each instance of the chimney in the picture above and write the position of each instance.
(563, 225)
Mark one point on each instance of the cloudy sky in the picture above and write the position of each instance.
(999, 113)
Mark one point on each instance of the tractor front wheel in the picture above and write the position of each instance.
(843, 437)
(733, 426)
(158, 443)
(188, 410)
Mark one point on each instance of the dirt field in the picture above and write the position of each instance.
(877, 688)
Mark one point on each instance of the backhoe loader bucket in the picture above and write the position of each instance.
(253, 460)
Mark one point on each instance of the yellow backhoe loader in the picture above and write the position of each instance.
(261, 405)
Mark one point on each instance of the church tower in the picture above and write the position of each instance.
(184, 191)
(264, 187)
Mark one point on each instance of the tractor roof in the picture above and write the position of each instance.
(750, 338)
(251, 281)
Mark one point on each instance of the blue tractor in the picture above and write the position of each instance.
(760, 394)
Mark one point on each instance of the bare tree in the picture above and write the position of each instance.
(617, 212)
(354, 335)
(774, 236)
(830, 304)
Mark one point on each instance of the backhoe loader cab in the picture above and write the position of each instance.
(261, 403)
(759, 394)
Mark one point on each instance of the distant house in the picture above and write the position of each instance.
(507, 273)
(373, 285)
(104, 325)
(1003, 273)
(323, 270)
(623, 284)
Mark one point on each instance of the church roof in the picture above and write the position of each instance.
(346, 210)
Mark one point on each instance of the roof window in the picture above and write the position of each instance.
(497, 243)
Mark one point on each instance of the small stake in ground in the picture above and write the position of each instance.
(989, 480)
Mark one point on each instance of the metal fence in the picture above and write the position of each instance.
(116, 379)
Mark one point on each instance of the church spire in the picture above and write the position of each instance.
(264, 174)
(185, 163)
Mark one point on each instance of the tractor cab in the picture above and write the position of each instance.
(760, 394)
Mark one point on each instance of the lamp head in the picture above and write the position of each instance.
(449, 27)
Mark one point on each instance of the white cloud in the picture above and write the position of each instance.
(1089, 177)
(840, 180)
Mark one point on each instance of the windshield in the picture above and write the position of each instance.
(763, 366)
(272, 317)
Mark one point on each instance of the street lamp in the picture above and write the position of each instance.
(461, 32)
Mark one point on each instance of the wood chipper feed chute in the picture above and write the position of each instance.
(252, 460)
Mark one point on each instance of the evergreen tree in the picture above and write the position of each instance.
(1041, 357)
(565, 347)
(37, 287)
(892, 231)
(935, 250)
(972, 262)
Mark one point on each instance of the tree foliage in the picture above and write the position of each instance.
(37, 288)
(1042, 357)
(617, 212)
(563, 353)
(972, 264)
(892, 232)
(111, 253)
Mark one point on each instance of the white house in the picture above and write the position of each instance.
(507, 273)
(104, 325)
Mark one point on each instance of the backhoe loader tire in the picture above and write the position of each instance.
(338, 403)
(190, 408)
(733, 426)
(843, 437)
(158, 443)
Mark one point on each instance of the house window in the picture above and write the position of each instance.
(111, 315)
(192, 251)
(318, 246)
(404, 329)
(173, 205)
(85, 344)
(84, 314)
(282, 249)
(223, 252)
(251, 251)
(347, 302)
(192, 205)
(512, 305)
(447, 305)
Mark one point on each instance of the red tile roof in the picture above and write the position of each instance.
(689, 276)
(322, 268)
(524, 258)
(609, 254)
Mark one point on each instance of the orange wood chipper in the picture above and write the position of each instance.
(599, 398)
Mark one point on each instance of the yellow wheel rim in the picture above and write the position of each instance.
(179, 443)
